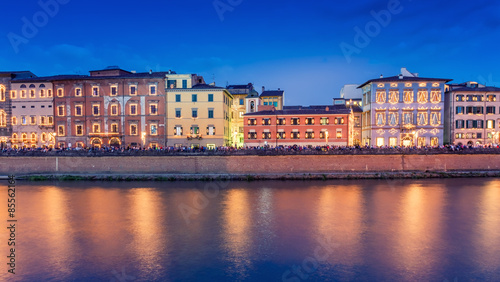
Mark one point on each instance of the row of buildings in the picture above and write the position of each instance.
(114, 107)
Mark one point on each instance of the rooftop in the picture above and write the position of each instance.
(272, 93)
(305, 110)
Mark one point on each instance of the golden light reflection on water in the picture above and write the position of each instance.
(340, 222)
(420, 229)
(488, 229)
(237, 223)
(149, 241)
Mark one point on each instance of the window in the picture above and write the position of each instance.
(210, 97)
(171, 84)
(252, 135)
(252, 121)
(133, 109)
(2, 93)
(460, 110)
(44, 137)
(459, 98)
(96, 128)
(393, 141)
(393, 97)
(434, 141)
(295, 121)
(33, 137)
(13, 94)
(43, 120)
(324, 121)
(393, 118)
(14, 121)
(60, 92)
(309, 135)
(266, 121)
(379, 117)
(49, 93)
(339, 134)
(60, 130)
(78, 92)
(380, 141)
(422, 96)
(490, 124)
(422, 118)
(177, 97)
(242, 102)
(133, 129)
(281, 135)
(194, 98)
(3, 118)
(309, 120)
(435, 118)
(95, 110)
(491, 98)
(178, 130)
(210, 113)
(194, 113)
(340, 120)
(490, 110)
(60, 111)
(78, 110)
(195, 130)
(153, 129)
(435, 96)
(408, 96)
(281, 121)
(32, 93)
(152, 90)
(79, 130)
(114, 110)
(295, 135)
(184, 83)
(474, 110)
(211, 130)
(153, 109)
(133, 90)
(380, 97)
(51, 120)
(266, 135)
(178, 113)
(407, 118)
(114, 128)
(113, 90)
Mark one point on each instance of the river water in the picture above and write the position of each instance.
(385, 230)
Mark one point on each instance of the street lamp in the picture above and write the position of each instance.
(143, 137)
(326, 137)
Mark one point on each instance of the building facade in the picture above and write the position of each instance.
(403, 110)
(275, 98)
(473, 114)
(357, 111)
(32, 113)
(301, 126)
(239, 92)
(111, 107)
(199, 117)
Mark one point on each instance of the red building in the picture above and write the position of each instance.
(302, 126)
(111, 107)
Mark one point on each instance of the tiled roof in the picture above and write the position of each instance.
(478, 89)
(81, 77)
(300, 110)
(241, 86)
(272, 93)
(405, 79)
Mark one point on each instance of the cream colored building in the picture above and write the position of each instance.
(199, 117)
(32, 113)
(239, 92)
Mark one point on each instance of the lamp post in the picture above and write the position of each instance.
(326, 137)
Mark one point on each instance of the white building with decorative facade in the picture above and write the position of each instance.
(403, 110)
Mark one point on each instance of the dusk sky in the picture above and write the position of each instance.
(292, 45)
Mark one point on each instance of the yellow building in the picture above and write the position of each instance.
(273, 98)
(239, 92)
(199, 117)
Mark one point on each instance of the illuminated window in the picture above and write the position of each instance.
(60, 111)
(252, 121)
(51, 120)
(3, 118)
(60, 92)
(422, 118)
(178, 130)
(460, 98)
(153, 129)
(393, 118)
(95, 110)
(308, 121)
(133, 90)
(491, 98)
(436, 118)
(407, 118)
(380, 141)
(78, 110)
(252, 135)
(266, 121)
(339, 134)
(422, 96)
(43, 120)
(95, 91)
(32, 93)
(282, 135)
(2, 93)
(393, 97)
(13, 94)
(44, 137)
(14, 121)
(114, 127)
(114, 110)
(24, 121)
(152, 90)
(32, 120)
(381, 95)
(133, 109)
(60, 130)
(267, 135)
(153, 108)
(24, 137)
(114, 90)
(49, 93)
(195, 130)
(96, 127)
(295, 121)
(78, 92)
(281, 121)
(393, 141)
(408, 96)
(435, 96)
(23, 94)
(295, 135)
(14, 137)
(133, 129)
(33, 137)
(380, 118)
(490, 124)
(42, 93)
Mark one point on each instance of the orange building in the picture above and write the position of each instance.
(111, 107)
(301, 126)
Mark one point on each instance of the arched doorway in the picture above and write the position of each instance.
(96, 142)
(406, 141)
(115, 142)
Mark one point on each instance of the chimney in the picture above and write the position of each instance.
(381, 76)
(263, 89)
(279, 89)
(150, 71)
(400, 76)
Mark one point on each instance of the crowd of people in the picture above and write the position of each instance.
(264, 150)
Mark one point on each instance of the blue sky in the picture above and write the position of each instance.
(292, 45)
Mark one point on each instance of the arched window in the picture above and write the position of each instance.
(2, 93)
(33, 137)
(23, 86)
(44, 137)
(3, 118)
(24, 136)
(14, 137)
(32, 86)
(42, 86)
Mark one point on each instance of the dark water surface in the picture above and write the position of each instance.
(386, 230)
